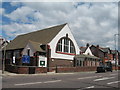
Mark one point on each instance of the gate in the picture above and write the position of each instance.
(31, 70)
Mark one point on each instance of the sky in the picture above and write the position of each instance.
(90, 22)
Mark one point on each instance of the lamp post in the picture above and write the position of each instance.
(115, 51)
(4, 55)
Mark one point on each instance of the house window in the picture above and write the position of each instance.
(59, 47)
(28, 52)
(72, 48)
(65, 45)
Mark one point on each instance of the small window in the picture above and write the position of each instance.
(72, 49)
(28, 52)
(59, 46)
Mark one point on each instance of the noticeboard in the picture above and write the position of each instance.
(26, 59)
(42, 62)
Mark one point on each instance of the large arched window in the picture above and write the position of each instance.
(65, 46)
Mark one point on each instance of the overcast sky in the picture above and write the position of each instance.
(94, 23)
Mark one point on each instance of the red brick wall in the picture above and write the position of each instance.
(75, 69)
(40, 70)
(115, 68)
(60, 62)
(23, 70)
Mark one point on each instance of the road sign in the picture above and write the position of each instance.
(42, 62)
(26, 59)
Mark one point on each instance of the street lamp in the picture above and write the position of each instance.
(4, 55)
(115, 51)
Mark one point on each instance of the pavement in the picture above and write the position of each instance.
(6, 73)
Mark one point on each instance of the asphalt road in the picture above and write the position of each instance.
(78, 81)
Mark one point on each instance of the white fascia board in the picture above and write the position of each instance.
(65, 30)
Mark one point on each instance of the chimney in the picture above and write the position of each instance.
(98, 46)
(87, 45)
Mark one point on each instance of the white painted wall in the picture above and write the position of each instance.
(28, 46)
(53, 44)
(88, 51)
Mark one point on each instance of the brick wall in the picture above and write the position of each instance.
(40, 70)
(23, 70)
(60, 62)
(75, 69)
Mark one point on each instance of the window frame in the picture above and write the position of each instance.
(67, 45)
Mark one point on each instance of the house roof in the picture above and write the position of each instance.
(43, 36)
(86, 56)
(105, 49)
(83, 49)
(36, 46)
(114, 51)
(96, 47)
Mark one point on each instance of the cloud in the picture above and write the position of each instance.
(20, 14)
(2, 10)
(93, 23)
(15, 29)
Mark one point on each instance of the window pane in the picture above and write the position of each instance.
(66, 48)
(59, 46)
(72, 48)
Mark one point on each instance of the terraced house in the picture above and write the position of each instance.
(50, 47)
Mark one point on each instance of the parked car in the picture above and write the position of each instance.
(105, 67)
(100, 69)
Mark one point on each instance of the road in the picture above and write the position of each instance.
(77, 81)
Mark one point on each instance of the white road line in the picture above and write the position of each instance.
(113, 74)
(105, 78)
(52, 81)
(89, 77)
(113, 82)
(36, 83)
(90, 87)
(27, 83)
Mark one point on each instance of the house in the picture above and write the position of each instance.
(114, 57)
(107, 54)
(86, 50)
(86, 58)
(98, 52)
(54, 45)
(3, 43)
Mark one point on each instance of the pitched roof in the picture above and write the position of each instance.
(86, 56)
(105, 49)
(96, 47)
(83, 49)
(36, 46)
(43, 36)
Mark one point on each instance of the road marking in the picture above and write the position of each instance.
(27, 83)
(113, 82)
(113, 74)
(90, 87)
(52, 81)
(89, 77)
(36, 83)
(105, 78)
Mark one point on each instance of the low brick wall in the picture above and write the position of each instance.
(26, 69)
(40, 70)
(114, 68)
(23, 70)
(75, 69)
(11, 68)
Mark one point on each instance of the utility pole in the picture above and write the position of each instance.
(3, 54)
(115, 51)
